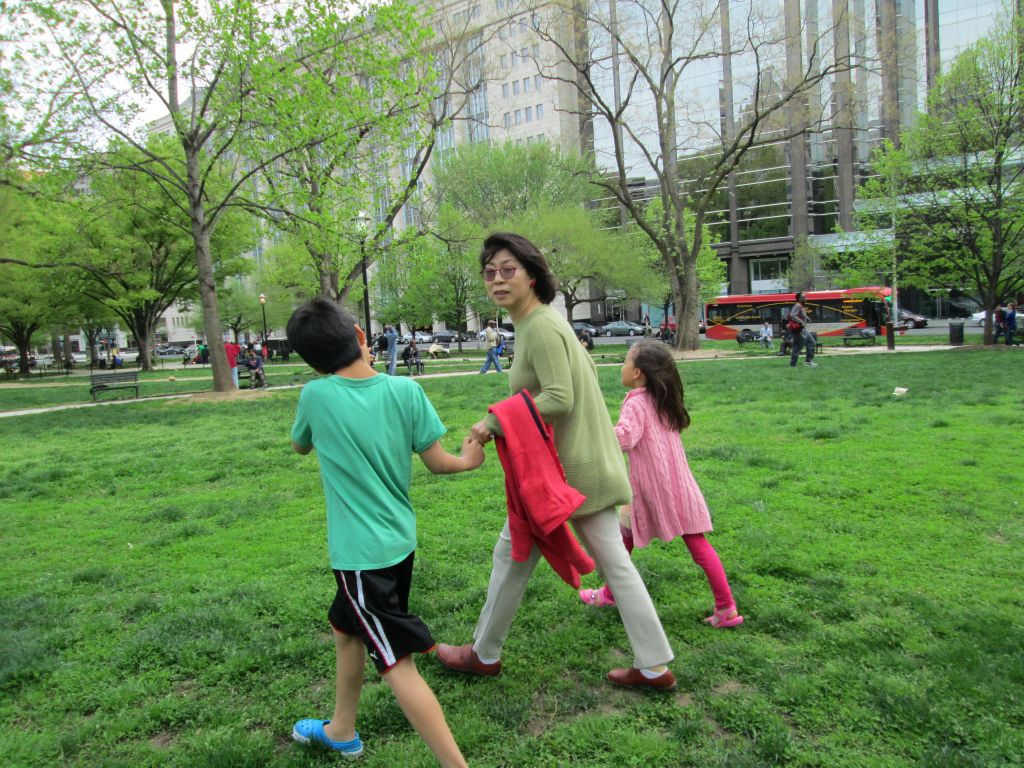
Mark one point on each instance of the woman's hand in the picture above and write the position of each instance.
(481, 432)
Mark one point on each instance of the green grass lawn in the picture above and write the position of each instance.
(164, 586)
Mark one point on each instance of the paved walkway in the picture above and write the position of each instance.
(696, 356)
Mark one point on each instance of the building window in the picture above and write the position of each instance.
(519, 116)
(537, 80)
(529, 114)
(536, 51)
(477, 115)
(504, 61)
(507, 118)
(515, 58)
(515, 87)
(504, 90)
(526, 85)
(540, 111)
(501, 5)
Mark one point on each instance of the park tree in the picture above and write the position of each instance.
(28, 303)
(542, 191)
(134, 246)
(224, 75)
(953, 190)
(628, 62)
(589, 260)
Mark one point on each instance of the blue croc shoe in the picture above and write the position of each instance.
(312, 732)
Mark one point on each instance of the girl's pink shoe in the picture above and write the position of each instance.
(725, 617)
(599, 598)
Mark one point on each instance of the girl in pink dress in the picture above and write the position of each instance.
(666, 500)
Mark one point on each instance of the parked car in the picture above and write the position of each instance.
(169, 350)
(581, 327)
(505, 334)
(447, 336)
(128, 355)
(912, 320)
(422, 337)
(622, 328)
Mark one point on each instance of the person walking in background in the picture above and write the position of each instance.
(998, 324)
(667, 503)
(561, 377)
(392, 337)
(365, 428)
(491, 339)
(232, 349)
(1010, 323)
(796, 323)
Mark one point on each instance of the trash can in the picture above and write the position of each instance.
(956, 334)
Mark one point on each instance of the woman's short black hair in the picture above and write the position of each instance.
(324, 335)
(528, 255)
(800, 296)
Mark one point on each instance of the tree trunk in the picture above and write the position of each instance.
(208, 288)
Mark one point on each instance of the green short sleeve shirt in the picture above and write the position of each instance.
(365, 432)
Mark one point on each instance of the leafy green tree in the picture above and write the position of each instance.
(589, 261)
(953, 191)
(250, 70)
(135, 245)
(28, 302)
(540, 190)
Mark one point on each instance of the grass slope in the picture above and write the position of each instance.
(163, 584)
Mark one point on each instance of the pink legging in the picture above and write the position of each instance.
(704, 555)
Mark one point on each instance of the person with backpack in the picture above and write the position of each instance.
(796, 323)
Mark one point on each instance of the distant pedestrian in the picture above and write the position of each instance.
(796, 323)
(232, 349)
(766, 336)
(491, 339)
(392, 336)
(1010, 324)
(998, 324)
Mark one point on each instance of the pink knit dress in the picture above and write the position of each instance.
(666, 500)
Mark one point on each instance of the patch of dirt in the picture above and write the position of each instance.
(729, 686)
(220, 397)
(162, 740)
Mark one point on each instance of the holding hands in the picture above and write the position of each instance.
(481, 432)
(472, 453)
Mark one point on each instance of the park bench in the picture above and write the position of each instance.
(244, 374)
(102, 382)
(864, 335)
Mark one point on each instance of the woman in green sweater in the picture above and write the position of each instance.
(555, 369)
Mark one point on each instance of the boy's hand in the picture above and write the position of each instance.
(472, 453)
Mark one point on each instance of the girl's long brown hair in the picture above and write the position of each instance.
(654, 359)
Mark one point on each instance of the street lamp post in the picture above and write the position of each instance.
(363, 220)
(263, 307)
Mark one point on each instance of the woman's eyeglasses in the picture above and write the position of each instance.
(507, 273)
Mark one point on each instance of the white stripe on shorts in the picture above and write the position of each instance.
(378, 638)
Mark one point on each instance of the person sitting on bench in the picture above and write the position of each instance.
(411, 358)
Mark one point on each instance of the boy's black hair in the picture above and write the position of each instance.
(324, 335)
(528, 255)
(662, 381)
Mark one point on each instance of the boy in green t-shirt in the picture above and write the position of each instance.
(365, 427)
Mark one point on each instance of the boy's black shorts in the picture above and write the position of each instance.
(374, 605)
